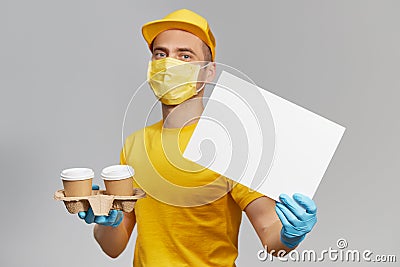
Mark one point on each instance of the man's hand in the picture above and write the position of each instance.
(298, 217)
(113, 219)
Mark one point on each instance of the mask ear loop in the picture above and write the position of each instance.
(204, 83)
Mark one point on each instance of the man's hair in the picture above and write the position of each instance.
(207, 52)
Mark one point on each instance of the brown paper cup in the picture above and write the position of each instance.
(122, 187)
(77, 182)
(80, 188)
(118, 180)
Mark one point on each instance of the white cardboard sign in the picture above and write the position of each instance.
(262, 140)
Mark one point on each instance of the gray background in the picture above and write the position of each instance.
(68, 69)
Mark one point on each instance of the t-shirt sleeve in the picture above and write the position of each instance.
(126, 149)
(124, 155)
(243, 195)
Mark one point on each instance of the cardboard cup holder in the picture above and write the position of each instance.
(100, 202)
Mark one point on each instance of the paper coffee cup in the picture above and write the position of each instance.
(118, 180)
(77, 182)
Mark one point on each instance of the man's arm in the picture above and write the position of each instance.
(296, 217)
(113, 240)
(262, 215)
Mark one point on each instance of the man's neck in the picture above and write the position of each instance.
(183, 114)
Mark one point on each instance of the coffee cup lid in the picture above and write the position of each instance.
(77, 174)
(117, 172)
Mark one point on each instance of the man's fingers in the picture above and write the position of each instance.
(100, 219)
(113, 215)
(89, 218)
(290, 217)
(307, 203)
(114, 218)
(118, 220)
(82, 214)
(282, 217)
(293, 206)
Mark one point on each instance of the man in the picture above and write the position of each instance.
(199, 228)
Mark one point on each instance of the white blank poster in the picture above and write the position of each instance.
(262, 140)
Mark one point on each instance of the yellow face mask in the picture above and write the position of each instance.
(173, 81)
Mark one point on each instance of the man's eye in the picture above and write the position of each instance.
(186, 57)
(160, 55)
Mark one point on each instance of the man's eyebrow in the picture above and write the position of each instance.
(161, 48)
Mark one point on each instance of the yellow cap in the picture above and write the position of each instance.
(182, 19)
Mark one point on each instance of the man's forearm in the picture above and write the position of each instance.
(112, 240)
(271, 239)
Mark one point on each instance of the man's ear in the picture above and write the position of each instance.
(211, 72)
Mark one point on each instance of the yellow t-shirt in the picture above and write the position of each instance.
(191, 215)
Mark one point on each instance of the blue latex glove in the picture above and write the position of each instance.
(113, 219)
(298, 217)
